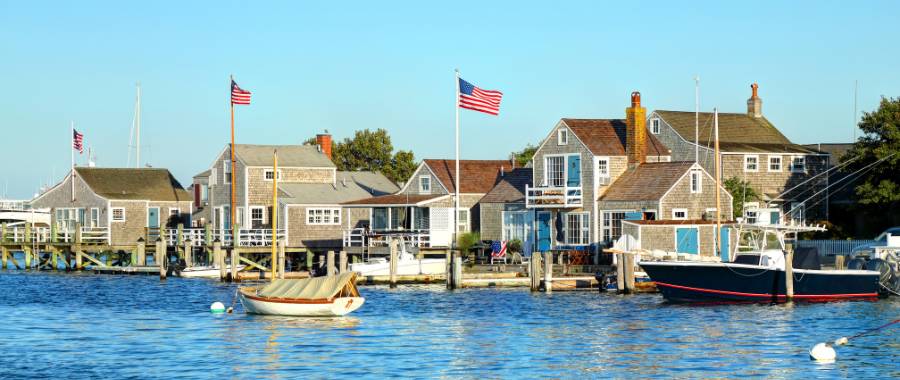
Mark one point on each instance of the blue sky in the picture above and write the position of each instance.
(344, 66)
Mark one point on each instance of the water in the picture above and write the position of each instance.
(97, 326)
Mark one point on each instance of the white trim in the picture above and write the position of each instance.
(272, 170)
(780, 163)
(421, 190)
(690, 226)
(676, 210)
(654, 124)
(324, 217)
(112, 214)
(265, 211)
(803, 169)
(562, 136)
(565, 175)
(553, 130)
(779, 153)
(745, 161)
(91, 216)
(565, 224)
(692, 172)
(608, 160)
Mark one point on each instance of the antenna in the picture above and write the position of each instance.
(855, 112)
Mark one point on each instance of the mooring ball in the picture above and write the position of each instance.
(841, 341)
(217, 307)
(822, 352)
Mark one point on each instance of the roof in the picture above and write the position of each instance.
(647, 182)
(349, 186)
(670, 222)
(511, 188)
(738, 132)
(134, 184)
(607, 137)
(836, 150)
(307, 156)
(394, 200)
(478, 176)
(203, 174)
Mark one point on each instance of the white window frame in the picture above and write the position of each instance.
(795, 215)
(423, 189)
(607, 224)
(747, 158)
(263, 212)
(174, 211)
(698, 175)
(266, 173)
(94, 222)
(583, 236)
(802, 167)
(564, 165)
(112, 214)
(507, 231)
(226, 172)
(460, 223)
(675, 212)
(562, 136)
(323, 216)
(654, 126)
(780, 163)
(602, 173)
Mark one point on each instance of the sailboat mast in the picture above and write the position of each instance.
(718, 181)
(697, 118)
(137, 126)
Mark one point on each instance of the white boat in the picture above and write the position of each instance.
(407, 264)
(206, 271)
(329, 296)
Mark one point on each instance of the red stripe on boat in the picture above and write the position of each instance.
(767, 295)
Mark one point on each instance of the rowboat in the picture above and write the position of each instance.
(205, 271)
(328, 296)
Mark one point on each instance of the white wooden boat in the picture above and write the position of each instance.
(208, 271)
(329, 296)
(407, 264)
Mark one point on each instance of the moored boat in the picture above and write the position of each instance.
(206, 271)
(407, 264)
(328, 296)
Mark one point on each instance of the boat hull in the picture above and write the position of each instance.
(716, 282)
(300, 308)
(205, 272)
(404, 268)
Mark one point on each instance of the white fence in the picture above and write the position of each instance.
(360, 237)
(833, 247)
(89, 235)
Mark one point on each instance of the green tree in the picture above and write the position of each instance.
(523, 156)
(878, 185)
(371, 151)
(741, 192)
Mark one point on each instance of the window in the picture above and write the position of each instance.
(95, 217)
(269, 174)
(751, 163)
(577, 228)
(562, 136)
(380, 218)
(612, 225)
(679, 213)
(515, 225)
(798, 209)
(323, 216)
(174, 212)
(710, 213)
(240, 217)
(425, 184)
(603, 167)
(774, 163)
(555, 170)
(400, 218)
(696, 181)
(257, 217)
(226, 172)
(751, 212)
(67, 218)
(654, 126)
(462, 221)
(798, 164)
(118, 214)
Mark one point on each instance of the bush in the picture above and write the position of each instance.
(515, 245)
(465, 242)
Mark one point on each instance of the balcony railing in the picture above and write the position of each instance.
(89, 235)
(361, 237)
(544, 197)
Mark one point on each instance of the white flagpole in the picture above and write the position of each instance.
(457, 179)
(72, 148)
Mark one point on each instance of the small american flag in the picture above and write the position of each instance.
(498, 249)
(476, 99)
(78, 141)
(239, 95)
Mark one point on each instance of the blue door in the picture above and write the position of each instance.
(775, 217)
(543, 231)
(724, 237)
(686, 240)
(153, 217)
(574, 165)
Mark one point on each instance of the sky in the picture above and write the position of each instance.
(342, 66)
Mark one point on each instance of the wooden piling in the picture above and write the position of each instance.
(5, 253)
(548, 272)
(282, 259)
(3, 232)
(535, 271)
(342, 260)
(628, 270)
(457, 271)
(27, 251)
(448, 273)
(160, 257)
(620, 272)
(839, 262)
(393, 263)
(219, 259)
(330, 263)
(188, 251)
(789, 272)
(235, 261)
(79, 258)
(54, 258)
(141, 252)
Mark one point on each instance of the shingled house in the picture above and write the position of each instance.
(423, 208)
(124, 201)
(590, 174)
(503, 215)
(751, 149)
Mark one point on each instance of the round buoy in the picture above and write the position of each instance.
(217, 307)
(822, 352)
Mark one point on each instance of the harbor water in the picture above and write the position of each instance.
(58, 325)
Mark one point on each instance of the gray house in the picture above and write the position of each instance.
(785, 174)
(503, 212)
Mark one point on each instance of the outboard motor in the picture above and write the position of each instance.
(857, 263)
(881, 266)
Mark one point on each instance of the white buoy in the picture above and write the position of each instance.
(823, 352)
(217, 307)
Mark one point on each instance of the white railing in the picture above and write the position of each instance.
(563, 196)
(261, 237)
(95, 235)
(89, 235)
(360, 237)
(355, 237)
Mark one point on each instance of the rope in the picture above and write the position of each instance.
(233, 302)
(869, 331)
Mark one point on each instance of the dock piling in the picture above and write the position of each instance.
(535, 271)
(342, 259)
(457, 271)
(160, 257)
(141, 252)
(282, 259)
(628, 269)
(219, 259)
(393, 263)
(548, 272)
(839, 262)
(789, 272)
(5, 252)
(188, 251)
(235, 261)
(330, 263)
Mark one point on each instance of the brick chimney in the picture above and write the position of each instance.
(754, 104)
(323, 140)
(636, 131)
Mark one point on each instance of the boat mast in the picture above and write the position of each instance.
(718, 180)
(137, 128)
(274, 212)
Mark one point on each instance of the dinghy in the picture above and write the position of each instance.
(205, 271)
(328, 296)
(407, 265)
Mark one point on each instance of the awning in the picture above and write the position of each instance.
(396, 200)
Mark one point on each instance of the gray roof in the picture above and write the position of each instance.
(203, 174)
(738, 132)
(151, 184)
(511, 188)
(647, 182)
(307, 156)
(350, 186)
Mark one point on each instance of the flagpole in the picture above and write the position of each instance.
(274, 214)
(233, 187)
(72, 148)
(457, 179)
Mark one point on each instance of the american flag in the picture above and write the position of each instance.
(78, 141)
(239, 95)
(498, 249)
(476, 99)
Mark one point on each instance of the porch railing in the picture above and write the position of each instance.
(361, 237)
(563, 196)
(89, 235)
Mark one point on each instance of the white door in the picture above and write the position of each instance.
(441, 228)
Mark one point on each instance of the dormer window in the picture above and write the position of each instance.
(424, 184)
(654, 126)
(798, 164)
(696, 181)
(562, 136)
(270, 174)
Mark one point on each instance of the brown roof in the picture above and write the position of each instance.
(478, 176)
(738, 132)
(647, 182)
(836, 150)
(134, 184)
(670, 222)
(393, 199)
(511, 188)
(607, 137)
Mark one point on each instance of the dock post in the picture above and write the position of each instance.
(628, 270)
(342, 260)
(309, 262)
(54, 258)
(548, 272)
(839, 262)
(393, 263)
(789, 272)
(5, 253)
(448, 273)
(79, 258)
(620, 272)
(219, 259)
(160, 257)
(534, 266)
(141, 251)
(457, 271)
(3, 232)
(235, 261)
(27, 251)
(330, 263)
(188, 251)
(282, 258)
(207, 244)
